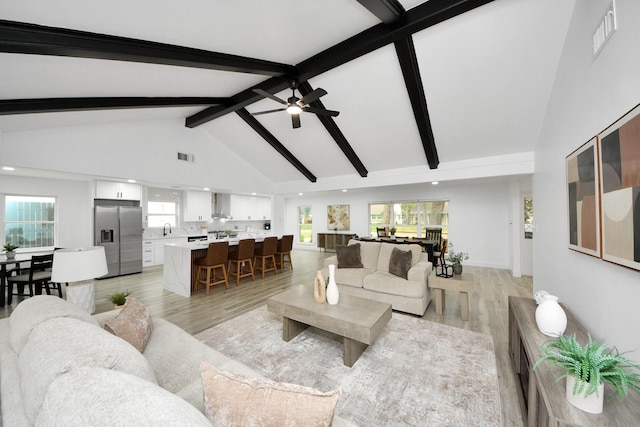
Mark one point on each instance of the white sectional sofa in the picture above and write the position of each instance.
(60, 367)
(374, 281)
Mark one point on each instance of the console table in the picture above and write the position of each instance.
(543, 399)
(331, 240)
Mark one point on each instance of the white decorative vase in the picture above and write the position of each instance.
(333, 295)
(550, 317)
(592, 404)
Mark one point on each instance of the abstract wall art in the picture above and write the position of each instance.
(620, 190)
(338, 217)
(582, 189)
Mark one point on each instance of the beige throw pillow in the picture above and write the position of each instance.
(133, 324)
(234, 400)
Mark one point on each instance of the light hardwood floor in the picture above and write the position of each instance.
(488, 307)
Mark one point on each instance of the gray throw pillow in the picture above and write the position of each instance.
(349, 256)
(400, 263)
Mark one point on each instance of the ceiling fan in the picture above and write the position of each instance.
(295, 105)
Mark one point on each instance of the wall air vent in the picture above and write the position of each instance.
(607, 26)
(186, 157)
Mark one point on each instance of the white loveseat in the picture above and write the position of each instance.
(373, 280)
(59, 367)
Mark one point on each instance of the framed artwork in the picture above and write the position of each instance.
(582, 189)
(338, 217)
(620, 190)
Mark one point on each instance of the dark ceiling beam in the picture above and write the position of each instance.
(19, 37)
(410, 71)
(417, 19)
(387, 11)
(273, 141)
(48, 105)
(335, 132)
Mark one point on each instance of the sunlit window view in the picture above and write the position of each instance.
(409, 219)
(29, 222)
(305, 225)
(528, 218)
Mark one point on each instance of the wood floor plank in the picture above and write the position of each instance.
(488, 307)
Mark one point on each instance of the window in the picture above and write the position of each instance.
(29, 222)
(305, 225)
(409, 218)
(528, 218)
(161, 213)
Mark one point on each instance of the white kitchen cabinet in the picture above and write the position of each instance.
(148, 253)
(118, 190)
(197, 206)
(250, 207)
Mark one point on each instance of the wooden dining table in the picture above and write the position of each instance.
(4, 261)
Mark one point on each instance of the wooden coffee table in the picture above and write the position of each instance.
(358, 320)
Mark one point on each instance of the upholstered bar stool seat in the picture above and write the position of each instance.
(214, 262)
(283, 252)
(243, 256)
(264, 257)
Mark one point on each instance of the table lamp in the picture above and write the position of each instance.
(78, 267)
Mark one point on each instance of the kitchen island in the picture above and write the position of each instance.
(179, 271)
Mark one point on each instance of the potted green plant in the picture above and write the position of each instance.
(119, 298)
(588, 368)
(11, 250)
(456, 259)
(392, 231)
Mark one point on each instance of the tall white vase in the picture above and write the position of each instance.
(550, 317)
(333, 295)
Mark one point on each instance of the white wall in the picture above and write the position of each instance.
(479, 215)
(74, 205)
(145, 151)
(589, 94)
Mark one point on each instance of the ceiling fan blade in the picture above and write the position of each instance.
(295, 120)
(321, 112)
(310, 97)
(268, 111)
(268, 95)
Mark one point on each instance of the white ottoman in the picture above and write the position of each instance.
(82, 294)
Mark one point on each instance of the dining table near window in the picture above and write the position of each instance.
(5, 264)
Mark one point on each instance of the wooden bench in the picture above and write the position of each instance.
(463, 283)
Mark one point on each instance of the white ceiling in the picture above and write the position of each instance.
(487, 76)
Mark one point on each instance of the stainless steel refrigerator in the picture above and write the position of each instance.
(119, 230)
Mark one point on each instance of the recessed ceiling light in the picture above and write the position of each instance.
(344, 190)
(8, 168)
(131, 180)
(434, 183)
(253, 194)
(206, 189)
(299, 194)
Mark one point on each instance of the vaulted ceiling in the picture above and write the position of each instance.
(418, 84)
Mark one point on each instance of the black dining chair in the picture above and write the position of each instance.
(38, 277)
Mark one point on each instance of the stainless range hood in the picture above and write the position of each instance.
(218, 212)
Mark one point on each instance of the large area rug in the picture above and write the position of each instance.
(417, 373)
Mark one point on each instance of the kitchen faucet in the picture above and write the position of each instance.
(164, 229)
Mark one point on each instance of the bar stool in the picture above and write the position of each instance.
(266, 254)
(244, 255)
(283, 252)
(216, 258)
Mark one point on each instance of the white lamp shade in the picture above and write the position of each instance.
(74, 265)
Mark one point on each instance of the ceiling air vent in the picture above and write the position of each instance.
(605, 30)
(186, 157)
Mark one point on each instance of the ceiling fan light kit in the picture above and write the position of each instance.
(294, 105)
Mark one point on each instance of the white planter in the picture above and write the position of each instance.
(550, 317)
(333, 295)
(11, 254)
(592, 404)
